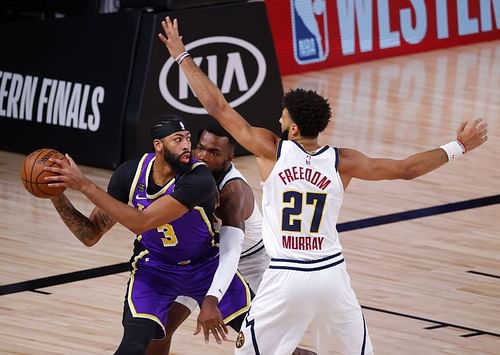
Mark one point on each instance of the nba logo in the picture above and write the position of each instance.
(310, 30)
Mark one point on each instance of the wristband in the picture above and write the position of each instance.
(453, 150)
(461, 145)
(180, 58)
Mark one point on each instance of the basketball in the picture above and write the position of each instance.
(33, 175)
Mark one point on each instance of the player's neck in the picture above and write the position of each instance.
(309, 144)
(162, 172)
(218, 176)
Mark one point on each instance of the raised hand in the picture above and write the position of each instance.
(171, 38)
(472, 134)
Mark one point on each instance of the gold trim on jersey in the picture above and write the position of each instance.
(244, 308)
(129, 293)
(197, 164)
(136, 178)
(162, 190)
(203, 214)
(137, 175)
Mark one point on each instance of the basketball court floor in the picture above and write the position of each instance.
(423, 255)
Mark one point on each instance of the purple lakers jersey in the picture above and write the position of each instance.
(183, 241)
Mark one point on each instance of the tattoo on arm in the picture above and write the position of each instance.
(88, 230)
(103, 221)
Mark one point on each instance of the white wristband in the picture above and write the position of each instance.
(181, 57)
(453, 150)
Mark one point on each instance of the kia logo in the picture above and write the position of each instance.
(241, 84)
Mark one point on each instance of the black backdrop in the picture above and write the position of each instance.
(219, 30)
(95, 52)
(90, 86)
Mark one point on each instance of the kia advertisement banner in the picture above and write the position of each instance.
(232, 44)
(64, 83)
(317, 34)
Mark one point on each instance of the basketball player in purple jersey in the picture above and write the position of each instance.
(237, 208)
(173, 199)
(306, 284)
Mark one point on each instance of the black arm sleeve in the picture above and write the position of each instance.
(121, 180)
(196, 188)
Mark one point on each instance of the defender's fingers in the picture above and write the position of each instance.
(215, 332)
(462, 126)
(162, 38)
(164, 26)
(477, 121)
(198, 328)
(206, 333)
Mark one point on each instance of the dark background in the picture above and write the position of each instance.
(97, 43)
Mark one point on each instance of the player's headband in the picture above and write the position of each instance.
(167, 125)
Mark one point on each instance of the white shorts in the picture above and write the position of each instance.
(251, 267)
(293, 297)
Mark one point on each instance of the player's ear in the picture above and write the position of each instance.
(157, 145)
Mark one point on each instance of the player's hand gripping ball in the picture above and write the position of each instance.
(33, 175)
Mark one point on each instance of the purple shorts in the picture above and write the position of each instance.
(154, 286)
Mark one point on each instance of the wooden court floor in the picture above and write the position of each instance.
(423, 255)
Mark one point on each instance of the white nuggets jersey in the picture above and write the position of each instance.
(301, 202)
(253, 225)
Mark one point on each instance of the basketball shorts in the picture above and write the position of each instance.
(295, 295)
(251, 267)
(152, 288)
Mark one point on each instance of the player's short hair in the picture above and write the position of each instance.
(216, 129)
(310, 111)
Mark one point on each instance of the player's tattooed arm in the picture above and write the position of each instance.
(89, 230)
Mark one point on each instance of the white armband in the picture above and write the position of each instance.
(230, 242)
(180, 58)
(453, 149)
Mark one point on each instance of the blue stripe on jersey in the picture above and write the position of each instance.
(249, 251)
(308, 261)
(306, 269)
(232, 179)
(364, 336)
(325, 148)
(252, 331)
(278, 151)
(337, 158)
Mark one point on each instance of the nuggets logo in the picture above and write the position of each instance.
(310, 30)
(240, 340)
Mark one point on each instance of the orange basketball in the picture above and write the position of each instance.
(33, 175)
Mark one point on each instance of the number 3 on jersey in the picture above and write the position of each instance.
(293, 200)
(170, 239)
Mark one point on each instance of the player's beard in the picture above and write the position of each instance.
(284, 134)
(174, 160)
